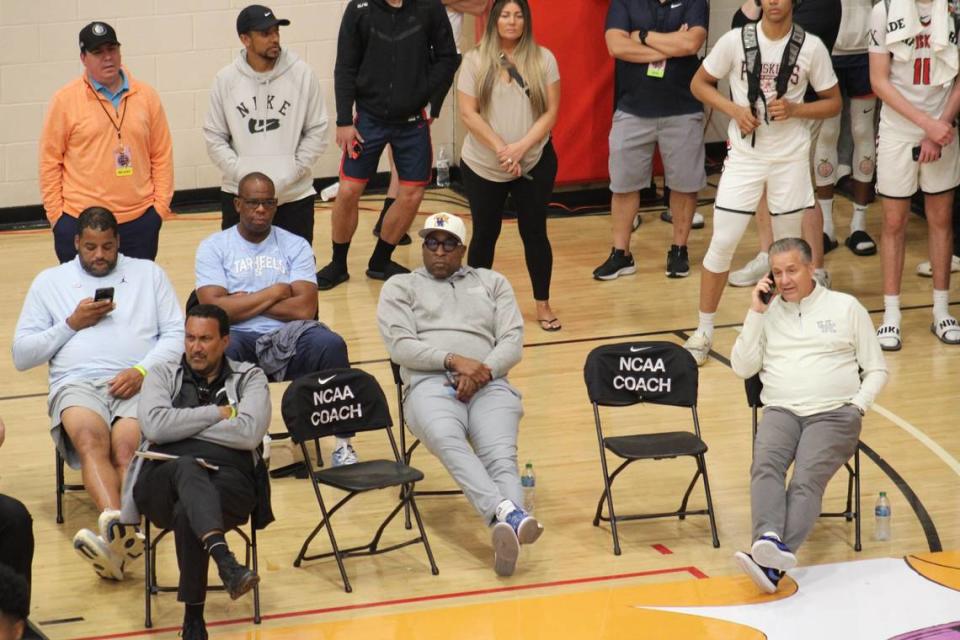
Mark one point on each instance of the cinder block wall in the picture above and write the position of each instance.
(177, 46)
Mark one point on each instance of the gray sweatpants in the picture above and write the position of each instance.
(476, 441)
(818, 445)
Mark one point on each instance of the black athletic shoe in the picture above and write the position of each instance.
(237, 579)
(405, 240)
(616, 265)
(392, 269)
(193, 629)
(678, 263)
(330, 276)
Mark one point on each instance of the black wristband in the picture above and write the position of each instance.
(643, 36)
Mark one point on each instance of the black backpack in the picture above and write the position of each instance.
(751, 57)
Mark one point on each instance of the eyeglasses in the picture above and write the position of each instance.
(254, 203)
(432, 244)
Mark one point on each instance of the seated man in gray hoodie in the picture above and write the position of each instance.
(202, 420)
(267, 114)
(456, 331)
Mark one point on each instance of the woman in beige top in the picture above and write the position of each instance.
(509, 95)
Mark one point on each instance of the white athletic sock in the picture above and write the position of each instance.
(772, 534)
(504, 509)
(705, 325)
(859, 220)
(891, 310)
(827, 206)
(941, 304)
(341, 442)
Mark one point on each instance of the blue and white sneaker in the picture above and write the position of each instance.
(766, 578)
(108, 564)
(124, 540)
(506, 549)
(343, 455)
(769, 551)
(527, 528)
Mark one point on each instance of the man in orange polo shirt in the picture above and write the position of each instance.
(106, 142)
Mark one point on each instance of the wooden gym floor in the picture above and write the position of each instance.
(911, 451)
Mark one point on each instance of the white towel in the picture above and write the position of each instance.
(945, 60)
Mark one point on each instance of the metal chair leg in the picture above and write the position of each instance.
(702, 463)
(856, 487)
(148, 578)
(59, 472)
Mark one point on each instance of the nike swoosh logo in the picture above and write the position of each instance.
(867, 110)
(266, 15)
(326, 380)
(638, 349)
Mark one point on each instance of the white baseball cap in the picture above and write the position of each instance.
(445, 222)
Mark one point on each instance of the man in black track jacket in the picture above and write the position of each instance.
(394, 58)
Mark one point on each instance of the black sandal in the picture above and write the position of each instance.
(858, 238)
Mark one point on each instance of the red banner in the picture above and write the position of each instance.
(573, 31)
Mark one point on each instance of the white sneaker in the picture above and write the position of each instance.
(124, 540)
(751, 272)
(699, 347)
(822, 276)
(343, 455)
(93, 549)
(924, 269)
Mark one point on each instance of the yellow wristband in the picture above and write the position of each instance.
(233, 412)
(143, 372)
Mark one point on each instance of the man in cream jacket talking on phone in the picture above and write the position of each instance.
(821, 367)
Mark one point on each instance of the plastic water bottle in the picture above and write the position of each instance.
(882, 513)
(330, 192)
(443, 168)
(529, 482)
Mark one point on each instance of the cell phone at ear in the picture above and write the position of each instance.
(106, 293)
(766, 296)
(916, 153)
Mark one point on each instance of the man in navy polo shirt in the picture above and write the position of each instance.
(655, 45)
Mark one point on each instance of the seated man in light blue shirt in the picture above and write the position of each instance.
(264, 278)
(100, 321)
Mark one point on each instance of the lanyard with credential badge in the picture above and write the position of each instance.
(123, 165)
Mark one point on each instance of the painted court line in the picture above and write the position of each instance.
(926, 440)
(693, 571)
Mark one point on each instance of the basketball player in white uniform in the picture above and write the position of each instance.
(769, 146)
(851, 64)
(913, 68)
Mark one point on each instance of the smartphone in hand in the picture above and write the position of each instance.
(767, 296)
(106, 293)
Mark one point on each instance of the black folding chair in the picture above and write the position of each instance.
(62, 486)
(663, 373)
(753, 387)
(408, 451)
(151, 587)
(336, 401)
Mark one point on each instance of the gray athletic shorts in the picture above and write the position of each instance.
(632, 141)
(90, 394)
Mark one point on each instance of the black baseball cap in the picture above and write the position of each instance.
(95, 34)
(257, 17)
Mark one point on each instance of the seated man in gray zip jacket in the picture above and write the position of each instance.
(202, 421)
(456, 331)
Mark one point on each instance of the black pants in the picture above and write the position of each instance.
(296, 217)
(16, 537)
(531, 198)
(139, 238)
(193, 501)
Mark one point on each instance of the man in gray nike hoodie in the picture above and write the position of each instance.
(267, 114)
